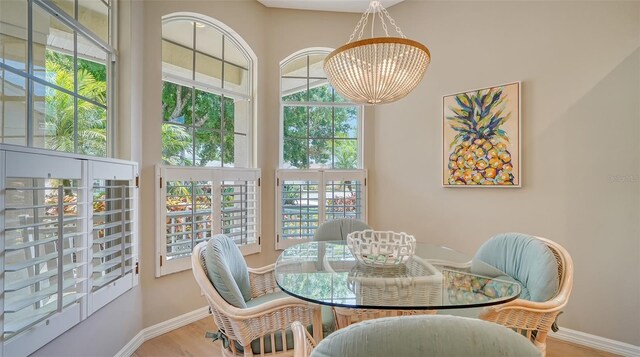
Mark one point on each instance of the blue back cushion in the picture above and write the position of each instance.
(227, 270)
(338, 229)
(524, 258)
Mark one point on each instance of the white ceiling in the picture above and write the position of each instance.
(326, 5)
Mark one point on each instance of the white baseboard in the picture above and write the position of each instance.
(565, 334)
(596, 342)
(162, 328)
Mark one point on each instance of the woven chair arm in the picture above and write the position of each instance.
(552, 305)
(303, 342)
(263, 280)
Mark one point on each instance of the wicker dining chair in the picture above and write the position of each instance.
(415, 336)
(535, 319)
(263, 326)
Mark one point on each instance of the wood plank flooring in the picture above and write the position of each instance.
(190, 341)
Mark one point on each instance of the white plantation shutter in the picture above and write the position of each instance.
(307, 198)
(44, 261)
(113, 252)
(195, 203)
(46, 246)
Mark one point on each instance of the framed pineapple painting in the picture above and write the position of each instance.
(481, 137)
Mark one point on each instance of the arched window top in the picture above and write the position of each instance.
(200, 49)
(320, 128)
(208, 92)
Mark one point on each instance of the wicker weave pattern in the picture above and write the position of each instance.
(534, 319)
(246, 325)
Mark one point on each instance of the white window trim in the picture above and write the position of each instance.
(16, 161)
(217, 175)
(322, 177)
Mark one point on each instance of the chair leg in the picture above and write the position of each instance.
(317, 324)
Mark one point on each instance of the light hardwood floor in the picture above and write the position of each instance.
(190, 341)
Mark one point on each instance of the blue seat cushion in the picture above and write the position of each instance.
(228, 271)
(522, 257)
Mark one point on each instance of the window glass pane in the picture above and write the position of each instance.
(176, 145)
(296, 68)
(320, 152)
(209, 40)
(177, 60)
(233, 54)
(208, 70)
(320, 91)
(94, 15)
(92, 129)
(229, 115)
(67, 6)
(294, 89)
(295, 122)
(295, 154)
(236, 79)
(346, 122)
(242, 113)
(346, 154)
(343, 199)
(207, 110)
(316, 66)
(320, 122)
(228, 150)
(53, 119)
(179, 32)
(13, 108)
(176, 103)
(240, 151)
(13, 33)
(208, 149)
(92, 71)
(53, 48)
(299, 214)
(338, 98)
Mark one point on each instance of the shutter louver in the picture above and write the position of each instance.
(43, 250)
(239, 210)
(343, 199)
(300, 209)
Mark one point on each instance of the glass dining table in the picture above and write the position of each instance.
(434, 278)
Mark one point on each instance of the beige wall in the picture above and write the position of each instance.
(579, 63)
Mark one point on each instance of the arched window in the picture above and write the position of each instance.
(207, 121)
(207, 91)
(321, 174)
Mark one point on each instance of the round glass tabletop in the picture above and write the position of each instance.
(433, 278)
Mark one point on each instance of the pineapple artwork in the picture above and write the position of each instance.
(481, 130)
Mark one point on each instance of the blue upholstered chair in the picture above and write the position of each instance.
(338, 229)
(422, 335)
(248, 307)
(543, 268)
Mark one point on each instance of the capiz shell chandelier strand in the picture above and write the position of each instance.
(377, 70)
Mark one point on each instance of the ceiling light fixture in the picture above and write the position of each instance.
(377, 70)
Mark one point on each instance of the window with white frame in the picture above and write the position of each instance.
(68, 239)
(321, 176)
(207, 141)
(56, 75)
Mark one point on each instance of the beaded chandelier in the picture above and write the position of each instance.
(377, 70)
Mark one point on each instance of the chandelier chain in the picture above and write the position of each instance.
(393, 22)
(384, 25)
(362, 23)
